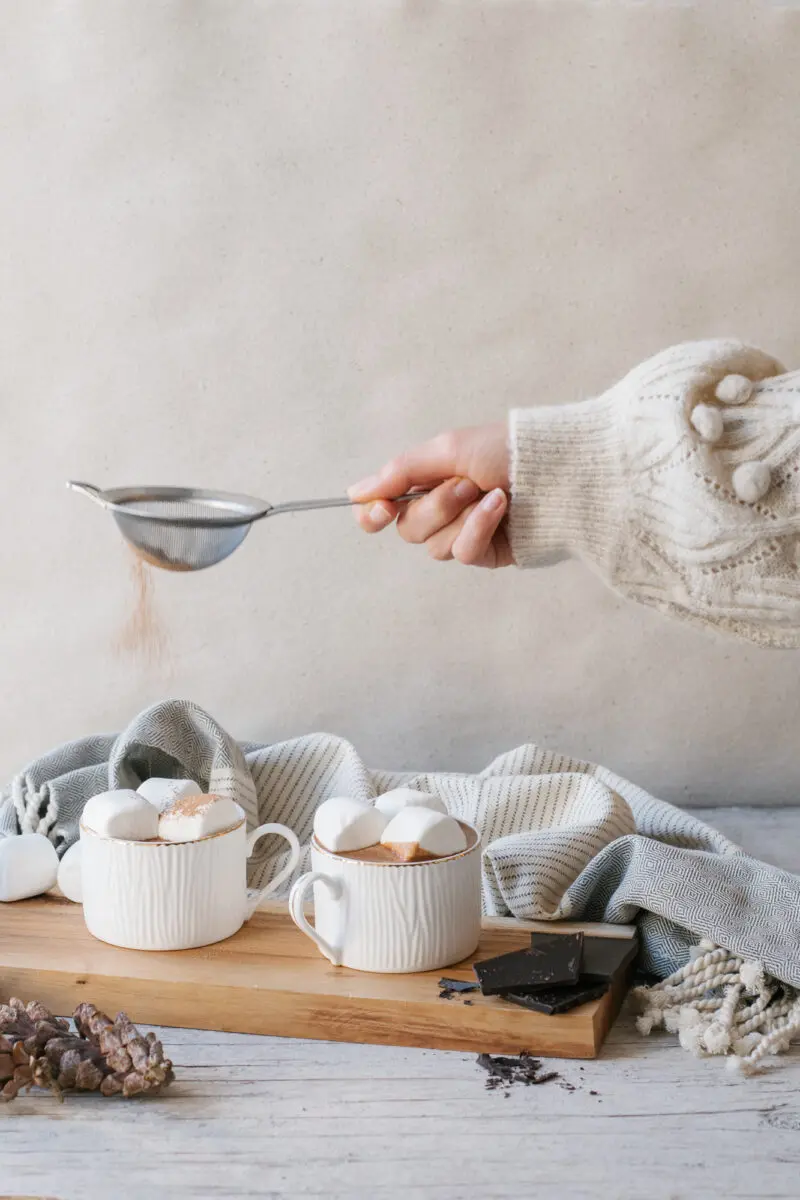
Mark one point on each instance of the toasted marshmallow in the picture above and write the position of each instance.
(70, 882)
(28, 866)
(391, 803)
(123, 814)
(189, 818)
(342, 823)
(162, 792)
(423, 833)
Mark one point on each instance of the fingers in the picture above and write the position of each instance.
(440, 545)
(376, 516)
(419, 520)
(429, 463)
(475, 538)
(423, 518)
(473, 546)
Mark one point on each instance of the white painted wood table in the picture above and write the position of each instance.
(267, 1117)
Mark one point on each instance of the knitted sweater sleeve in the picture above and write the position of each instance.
(680, 485)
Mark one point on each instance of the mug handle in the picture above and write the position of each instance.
(297, 896)
(256, 895)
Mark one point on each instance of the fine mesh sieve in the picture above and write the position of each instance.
(188, 529)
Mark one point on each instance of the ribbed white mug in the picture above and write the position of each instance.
(173, 895)
(389, 916)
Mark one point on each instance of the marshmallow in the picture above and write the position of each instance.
(161, 792)
(422, 833)
(189, 818)
(70, 883)
(124, 814)
(345, 824)
(391, 803)
(28, 866)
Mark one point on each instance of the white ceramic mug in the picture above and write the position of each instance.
(173, 895)
(390, 916)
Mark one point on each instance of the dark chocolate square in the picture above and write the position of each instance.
(558, 999)
(553, 958)
(603, 958)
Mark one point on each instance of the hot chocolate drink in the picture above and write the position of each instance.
(403, 851)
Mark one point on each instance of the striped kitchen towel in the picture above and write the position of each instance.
(562, 839)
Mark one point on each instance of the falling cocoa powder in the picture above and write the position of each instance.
(143, 635)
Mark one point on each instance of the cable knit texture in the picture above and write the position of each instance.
(677, 509)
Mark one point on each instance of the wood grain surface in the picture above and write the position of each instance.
(270, 979)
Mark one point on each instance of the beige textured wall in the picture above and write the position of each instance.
(264, 245)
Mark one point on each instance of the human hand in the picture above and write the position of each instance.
(454, 521)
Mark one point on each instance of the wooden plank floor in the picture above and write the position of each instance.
(267, 1117)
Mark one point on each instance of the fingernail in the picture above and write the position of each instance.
(366, 487)
(465, 489)
(379, 516)
(494, 500)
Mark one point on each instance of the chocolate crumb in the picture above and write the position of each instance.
(592, 1093)
(503, 1071)
(467, 1003)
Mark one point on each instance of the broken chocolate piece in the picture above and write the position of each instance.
(458, 985)
(553, 958)
(558, 999)
(604, 957)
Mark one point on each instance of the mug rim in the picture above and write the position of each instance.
(426, 862)
(156, 843)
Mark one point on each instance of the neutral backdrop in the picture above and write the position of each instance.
(263, 246)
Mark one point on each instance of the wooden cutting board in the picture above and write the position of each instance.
(270, 979)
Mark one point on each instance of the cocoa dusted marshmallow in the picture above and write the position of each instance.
(423, 833)
(189, 818)
(342, 824)
(391, 803)
(123, 814)
(162, 792)
(28, 866)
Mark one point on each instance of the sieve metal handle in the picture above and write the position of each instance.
(88, 489)
(333, 502)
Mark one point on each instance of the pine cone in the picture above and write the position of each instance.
(76, 1062)
(33, 1024)
(19, 1070)
(137, 1064)
(112, 1057)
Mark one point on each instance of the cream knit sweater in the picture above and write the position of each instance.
(680, 485)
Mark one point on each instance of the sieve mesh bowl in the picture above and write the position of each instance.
(182, 529)
(182, 547)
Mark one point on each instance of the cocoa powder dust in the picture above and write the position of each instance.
(143, 634)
